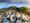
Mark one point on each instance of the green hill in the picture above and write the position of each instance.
(22, 9)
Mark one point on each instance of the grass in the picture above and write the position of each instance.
(22, 9)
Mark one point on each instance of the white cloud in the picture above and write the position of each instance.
(20, 0)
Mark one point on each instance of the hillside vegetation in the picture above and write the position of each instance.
(22, 9)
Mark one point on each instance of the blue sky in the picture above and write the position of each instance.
(8, 4)
(5, 5)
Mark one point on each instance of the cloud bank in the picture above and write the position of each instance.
(14, 0)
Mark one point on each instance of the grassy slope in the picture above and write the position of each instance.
(22, 9)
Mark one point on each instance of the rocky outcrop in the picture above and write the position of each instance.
(24, 16)
(18, 14)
